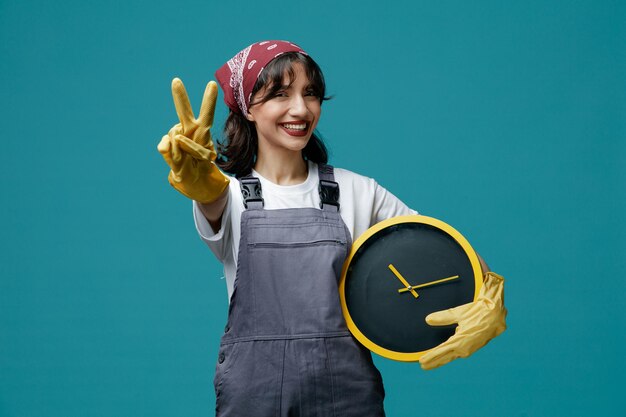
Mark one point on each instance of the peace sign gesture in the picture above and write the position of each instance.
(188, 147)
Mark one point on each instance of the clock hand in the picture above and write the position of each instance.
(402, 280)
(427, 284)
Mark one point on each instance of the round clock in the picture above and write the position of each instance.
(398, 272)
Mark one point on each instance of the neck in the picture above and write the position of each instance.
(282, 168)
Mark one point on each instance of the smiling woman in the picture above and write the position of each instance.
(239, 154)
(284, 122)
(283, 232)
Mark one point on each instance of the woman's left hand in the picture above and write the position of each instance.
(478, 323)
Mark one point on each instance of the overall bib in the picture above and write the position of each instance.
(286, 350)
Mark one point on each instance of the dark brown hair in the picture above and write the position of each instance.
(237, 154)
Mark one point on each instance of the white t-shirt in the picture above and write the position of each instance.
(363, 203)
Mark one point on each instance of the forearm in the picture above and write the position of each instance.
(483, 265)
(214, 210)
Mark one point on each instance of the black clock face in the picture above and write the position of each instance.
(401, 257)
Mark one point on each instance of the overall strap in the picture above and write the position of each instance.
(328, 188)
(251, 192)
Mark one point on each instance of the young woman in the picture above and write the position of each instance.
(282, 227)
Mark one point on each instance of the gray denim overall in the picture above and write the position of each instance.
(286, 350)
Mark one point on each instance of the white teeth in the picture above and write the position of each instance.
(295, 126)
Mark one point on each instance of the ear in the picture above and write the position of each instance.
(249, 116)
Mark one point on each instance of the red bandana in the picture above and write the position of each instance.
(238, 76)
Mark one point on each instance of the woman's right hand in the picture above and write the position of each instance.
(188, 148)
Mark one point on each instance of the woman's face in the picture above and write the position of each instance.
(286, 121)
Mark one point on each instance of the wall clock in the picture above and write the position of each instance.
(399, 271)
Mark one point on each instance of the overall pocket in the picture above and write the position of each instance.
(250, 380)
(226, 357)
(295, 286)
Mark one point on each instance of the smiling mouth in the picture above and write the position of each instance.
(298, 129)
(295, 126)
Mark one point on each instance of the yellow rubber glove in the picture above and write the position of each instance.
(478, 323)
(188, 147)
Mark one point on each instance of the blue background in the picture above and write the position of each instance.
(504, 119)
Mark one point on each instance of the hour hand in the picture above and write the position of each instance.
(403, 281)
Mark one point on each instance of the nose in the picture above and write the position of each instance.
(298, 106)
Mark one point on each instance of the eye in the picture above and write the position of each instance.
(310, 92)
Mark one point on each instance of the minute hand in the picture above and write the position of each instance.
(428, 284)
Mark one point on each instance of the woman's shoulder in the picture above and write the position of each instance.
(351, 179)
(369, 193)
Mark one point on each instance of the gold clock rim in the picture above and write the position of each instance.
(413, 218)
